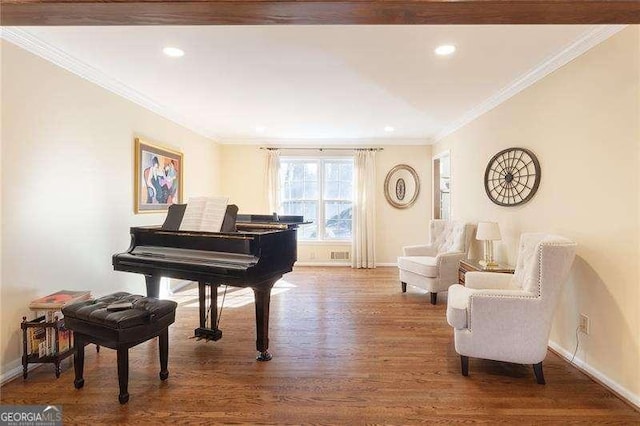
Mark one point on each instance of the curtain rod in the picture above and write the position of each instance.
(268, 148)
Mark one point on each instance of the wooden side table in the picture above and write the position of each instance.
(473, 265)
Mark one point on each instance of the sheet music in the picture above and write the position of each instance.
(193, 214)
(204, 214)
(213, 214)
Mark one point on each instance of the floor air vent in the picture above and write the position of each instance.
(339, 255)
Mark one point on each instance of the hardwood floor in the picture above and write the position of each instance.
(348, 348)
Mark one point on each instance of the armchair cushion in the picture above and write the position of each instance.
(448, 236)
(489, 280)
(421, 265)
(419, 250)
(527, 268)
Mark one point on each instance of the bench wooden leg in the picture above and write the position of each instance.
(123, 374)
(163, 346)
(404, 286)
(78, 360)
(434, 298)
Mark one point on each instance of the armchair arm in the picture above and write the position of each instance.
(449, 260)
(419, 250)
(461, 298)
(447, 264)
(489, 280)
(507, 325)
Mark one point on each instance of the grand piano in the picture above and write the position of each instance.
(251, 251)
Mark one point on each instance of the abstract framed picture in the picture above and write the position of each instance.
(158, 177)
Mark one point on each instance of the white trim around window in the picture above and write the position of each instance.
(311, 190)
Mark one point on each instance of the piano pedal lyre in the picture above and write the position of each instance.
(208, 334)
(204, 331)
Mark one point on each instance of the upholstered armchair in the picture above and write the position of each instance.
(434, 267)
(507, 317)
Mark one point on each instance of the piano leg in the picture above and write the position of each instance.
(263, 297)
(204, 331)
(153, 285)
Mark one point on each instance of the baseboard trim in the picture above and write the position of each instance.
(14, 373)
(323, 264)
(339, 264)
(597, 376)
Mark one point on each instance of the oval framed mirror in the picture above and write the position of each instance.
(402, 186)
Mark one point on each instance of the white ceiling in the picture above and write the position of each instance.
(315, 84)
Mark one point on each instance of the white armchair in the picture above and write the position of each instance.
(434, 267)
(508, 317)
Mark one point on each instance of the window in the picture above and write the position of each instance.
(321, 190)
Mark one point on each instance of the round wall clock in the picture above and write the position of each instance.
(512, 177)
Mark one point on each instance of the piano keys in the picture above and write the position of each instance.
(256, 255)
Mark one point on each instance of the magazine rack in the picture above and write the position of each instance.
(49, 329)
(34, 358)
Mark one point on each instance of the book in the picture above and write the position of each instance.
(37, 341)
(63, 340)
(29, 340)
(58, 300)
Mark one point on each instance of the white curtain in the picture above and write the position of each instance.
(364, 218)
(273, 180)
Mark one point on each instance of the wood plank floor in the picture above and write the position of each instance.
(348, 348)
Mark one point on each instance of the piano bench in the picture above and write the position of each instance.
(120, 328)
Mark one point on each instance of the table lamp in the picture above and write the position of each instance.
(488, 232)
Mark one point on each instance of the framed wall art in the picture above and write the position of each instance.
(158, 177)
(512, 177)
(401, 186)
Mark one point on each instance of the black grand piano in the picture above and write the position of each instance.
(251, 251)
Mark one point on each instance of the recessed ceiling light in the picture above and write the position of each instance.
(389, 128)
(260, 129)
(445, 49)
(174, 52)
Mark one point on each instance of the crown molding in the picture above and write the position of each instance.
(588, 40)
(323, 142)
(27, 41)
(30, 43)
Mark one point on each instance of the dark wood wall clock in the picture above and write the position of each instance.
(512, 177)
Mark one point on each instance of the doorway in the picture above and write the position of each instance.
(442, 186)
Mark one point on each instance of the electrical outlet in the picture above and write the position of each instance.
(583, 324)
(312, 255)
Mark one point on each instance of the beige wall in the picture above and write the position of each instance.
(243, 173)
(67, 184)
(583, 123)
(243, 180)
(400, 227)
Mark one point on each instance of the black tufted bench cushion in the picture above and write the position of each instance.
(93, 322)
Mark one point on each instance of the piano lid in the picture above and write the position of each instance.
(234, 221)
(269, 221)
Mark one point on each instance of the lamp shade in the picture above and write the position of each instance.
(488, 231)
